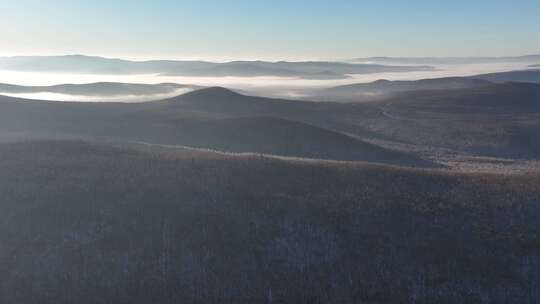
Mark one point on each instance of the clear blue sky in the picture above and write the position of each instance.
(270, 29)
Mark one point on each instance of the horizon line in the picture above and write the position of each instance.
(249, 58)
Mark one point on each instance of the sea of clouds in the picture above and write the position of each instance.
(265, 86)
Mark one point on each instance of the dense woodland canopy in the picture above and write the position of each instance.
(86, 222)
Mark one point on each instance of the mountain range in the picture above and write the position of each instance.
(495, 120)
(99, 65)
(448, 60)
(213, 118)
(382, 89)
(361, 92)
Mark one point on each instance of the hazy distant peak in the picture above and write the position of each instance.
(383, 88)
(381, 81)
(82, 56)
(81, 64)
(422, 84)
(448, 60)
(212, 92)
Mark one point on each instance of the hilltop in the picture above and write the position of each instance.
(213, 118)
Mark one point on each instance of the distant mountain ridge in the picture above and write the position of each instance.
(382, 88)
(99, 65)
(448, 60)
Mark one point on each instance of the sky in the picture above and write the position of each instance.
(278, 29)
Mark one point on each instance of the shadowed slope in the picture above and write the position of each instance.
(277, 136)
(513, 76)
(511, 97)
(213, 118)
(497, 120)
(91, 223)
(381, 89)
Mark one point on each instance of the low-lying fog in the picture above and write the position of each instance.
(267, 86)
(87, 98)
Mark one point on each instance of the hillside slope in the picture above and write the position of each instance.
(211, 118)
(99, 223)
(532, 76)
(499, 120)
(382, 89)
